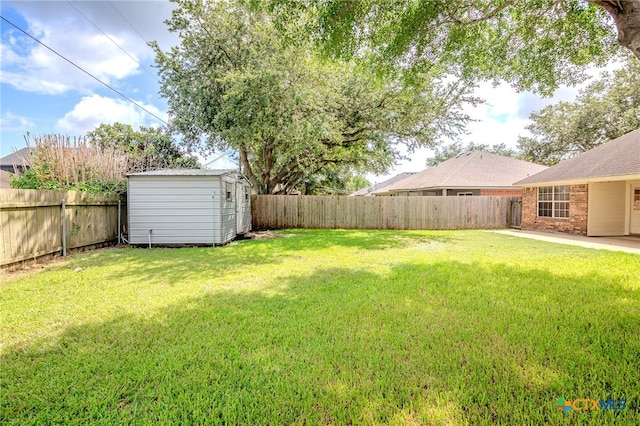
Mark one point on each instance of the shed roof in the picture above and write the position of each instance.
(185, 172)
(618, 157)
(476, 169)
(378, 186)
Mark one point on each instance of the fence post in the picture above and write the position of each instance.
(64, 228)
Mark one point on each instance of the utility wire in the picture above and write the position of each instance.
(96, 78)
(129, 23)
(84, 71)
(113, 41)
(220, 155)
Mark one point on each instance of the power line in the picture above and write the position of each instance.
(84, 71)
(94, 77)
(113, 41)
(129, 23)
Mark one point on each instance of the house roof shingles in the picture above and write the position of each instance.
(15, 157)
(618, 157)
(476, 169)
(379, 186)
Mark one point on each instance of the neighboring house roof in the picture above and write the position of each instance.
(617, 158)
(5, 180)
(185, 172)
(378, 186)
(475, 169)
(15, 158)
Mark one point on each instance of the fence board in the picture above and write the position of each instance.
(282, 211)
(32, 222)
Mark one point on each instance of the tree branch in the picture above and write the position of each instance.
(248, 172)
(488, 15)
(284, 172)
(626, 15)
(346, 135)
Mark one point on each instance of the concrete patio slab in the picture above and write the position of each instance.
(625, 244)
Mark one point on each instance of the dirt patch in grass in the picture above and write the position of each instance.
(50, 260)
(265, 235)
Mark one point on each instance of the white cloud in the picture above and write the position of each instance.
(94, 110)
(498, 120)
(506, 112)
(501, 119)
(31, 67)
(217, 161)
(37, 69)
(11, 122)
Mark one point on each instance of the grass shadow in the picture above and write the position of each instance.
(320, 239)
(439, 343)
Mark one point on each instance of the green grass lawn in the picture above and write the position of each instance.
(324, 327)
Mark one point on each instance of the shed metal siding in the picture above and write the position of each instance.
(228, 210)
(178, 209)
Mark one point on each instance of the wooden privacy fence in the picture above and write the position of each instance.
(516, 212)
(286, 211)
(37, 223)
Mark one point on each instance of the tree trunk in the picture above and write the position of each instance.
(626, 15)
(248, 172)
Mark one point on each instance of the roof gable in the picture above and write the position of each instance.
(16, 157)
(476, 169)
(379, 186)
(618, 157)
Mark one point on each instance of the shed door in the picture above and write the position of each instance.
(239, 207)
(634, 226)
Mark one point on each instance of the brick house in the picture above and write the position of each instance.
(596, 193)
(470, 173)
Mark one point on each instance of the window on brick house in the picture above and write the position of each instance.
(553, 201)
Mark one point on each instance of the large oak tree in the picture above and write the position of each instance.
(237, 82)
(533, 44)
(606, 109)
(446, 152)
(146, 148)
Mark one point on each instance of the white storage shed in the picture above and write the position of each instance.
(188, 206)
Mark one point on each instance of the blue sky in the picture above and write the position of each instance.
(41, 93)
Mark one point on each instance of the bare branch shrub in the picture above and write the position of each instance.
(62, 162)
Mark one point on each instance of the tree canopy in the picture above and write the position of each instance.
(534, 45)
(235, 82)
(334, 181)
(147, 148)
(100, 161)
(604, 110)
